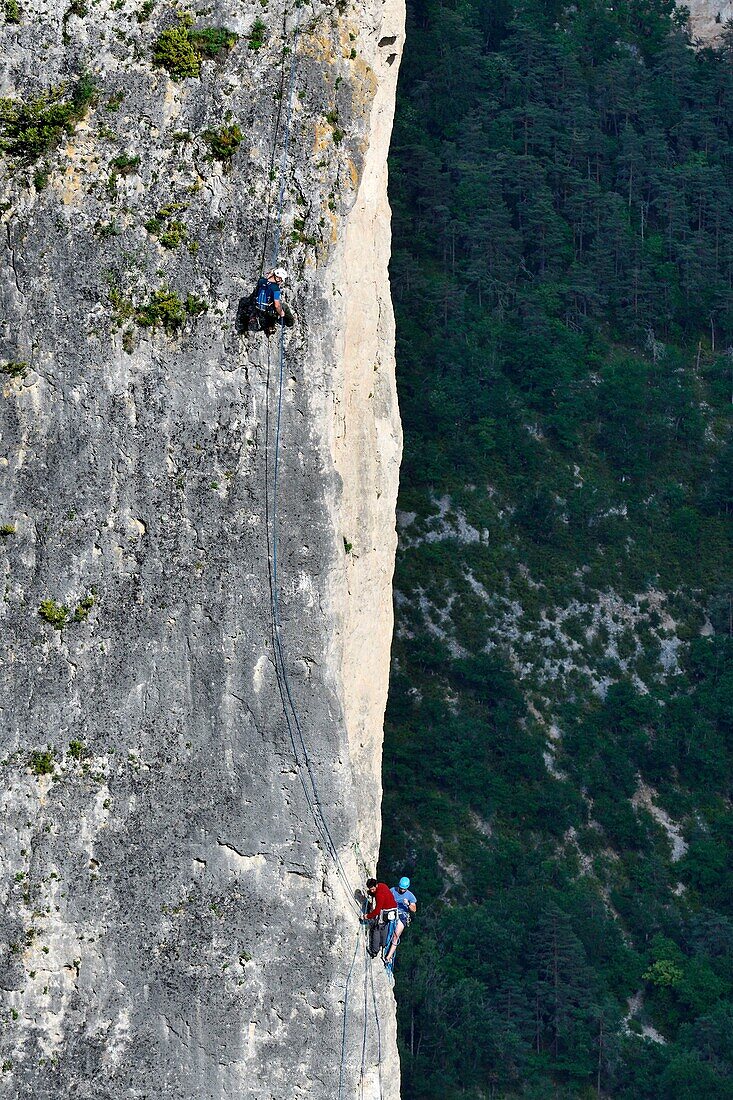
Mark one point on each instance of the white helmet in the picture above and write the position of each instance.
(280, 274)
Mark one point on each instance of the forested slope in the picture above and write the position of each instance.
(559, 754)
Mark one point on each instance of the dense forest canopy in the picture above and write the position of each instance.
(559, 750)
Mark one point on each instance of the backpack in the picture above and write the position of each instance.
(262, 299)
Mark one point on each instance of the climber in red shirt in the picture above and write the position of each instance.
(379, 917)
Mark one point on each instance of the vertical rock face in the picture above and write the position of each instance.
(707, 18)
(173, 923)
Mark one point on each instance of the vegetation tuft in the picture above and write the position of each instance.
(180, 50)
(31, 129)
(41, 761)
(54, 613)
(82, 609)
(224, 142)
(15, 368)
(125, 163)
(165, 309)
(257, 35)
(211, 41)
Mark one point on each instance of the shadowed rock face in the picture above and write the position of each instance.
(175, 925)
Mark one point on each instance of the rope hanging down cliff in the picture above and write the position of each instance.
(295, 730)
(292, 719)
(276, 133)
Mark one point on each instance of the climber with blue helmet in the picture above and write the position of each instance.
(406, 906)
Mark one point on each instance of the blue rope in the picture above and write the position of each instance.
(322, 825)
(379, 1031)
(271, 170)
(364, 1032)
(312, 798)
(286, 146)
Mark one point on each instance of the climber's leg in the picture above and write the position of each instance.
(399, 929)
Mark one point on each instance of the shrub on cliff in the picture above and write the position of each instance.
(180, 50)
(223, 143)
(29, 129)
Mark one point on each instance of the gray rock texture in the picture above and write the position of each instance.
(708, 17)
(173, 924)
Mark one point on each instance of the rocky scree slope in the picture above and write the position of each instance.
(171, 925)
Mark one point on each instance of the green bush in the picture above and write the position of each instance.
(224, 143)
(12, 11)
(125, 163)
(29, 130)
(174, 235)
(171, 233)
(82, 609)
(195, 306)
(53, 613)
(256, 37)
(180, 50)
(165, 309)
(174, 52)
(210, 41)
(41, 761)
(14, 369)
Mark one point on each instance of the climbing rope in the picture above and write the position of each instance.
(288, 702)
(364, 1031)
(292, 719)
(346, 1005)
(286, 146)
(379, 1031)
(276, 132)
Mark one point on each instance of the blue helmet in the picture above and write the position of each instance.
(404, 883)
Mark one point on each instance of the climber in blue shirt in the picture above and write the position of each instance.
(269, 298)
(406, 906)
(264, 309)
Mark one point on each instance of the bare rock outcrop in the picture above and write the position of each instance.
(174, 922)
(708, 17)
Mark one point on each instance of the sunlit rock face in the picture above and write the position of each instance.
(172, 921)
(707, 18)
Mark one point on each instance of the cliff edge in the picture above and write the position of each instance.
(190, 793)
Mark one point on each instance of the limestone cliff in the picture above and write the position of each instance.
(172, 921)
(707, 18)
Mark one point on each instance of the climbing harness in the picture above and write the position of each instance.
(391, 932)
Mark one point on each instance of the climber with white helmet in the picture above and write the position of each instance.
(265, 304)
(406, 906)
